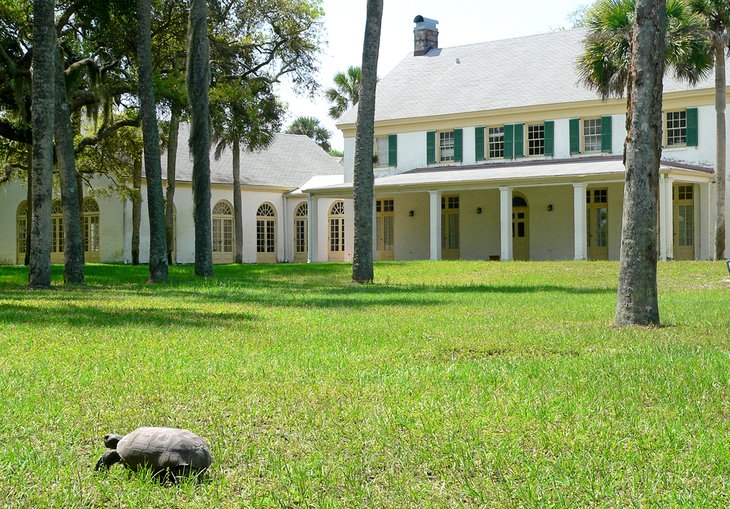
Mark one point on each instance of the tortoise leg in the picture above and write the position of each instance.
(108, 459)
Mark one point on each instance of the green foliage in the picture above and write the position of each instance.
(346, 92)
(604, 64)
(444, 384)
(310, 126)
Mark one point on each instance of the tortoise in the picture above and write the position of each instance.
(163, 450)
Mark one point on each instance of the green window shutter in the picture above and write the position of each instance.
(431, 147)
(479, 143)
(549, 138)
(519, 140)
(458, 145)
(509, 133)
(392, 150)
(606, 124)
(574, 136)
(691, 127)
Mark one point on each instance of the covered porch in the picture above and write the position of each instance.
(540, 211)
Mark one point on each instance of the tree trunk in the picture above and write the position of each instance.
(171, 175)
(198, 80)
(29, 208)
(136, 208)
(73, 243)
(151, 140)
(637, 288)
(362, 261)
(44, 45)
(237, 205)
(721, 149)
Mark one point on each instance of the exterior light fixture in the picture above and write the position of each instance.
(550, 207)
(479, 210)
(410, 213)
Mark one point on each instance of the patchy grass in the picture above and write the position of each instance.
(445, 384)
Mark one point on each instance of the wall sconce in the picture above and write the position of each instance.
(550, 207)
(479, 210)
(410, 213)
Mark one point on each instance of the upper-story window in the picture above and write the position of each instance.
(676, 128)
(495, 140)
(446, 146)
(381, 151)
(592, 135)
(536, 139)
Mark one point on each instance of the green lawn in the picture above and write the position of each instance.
(445, 384)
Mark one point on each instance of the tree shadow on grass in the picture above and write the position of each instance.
(100, 316)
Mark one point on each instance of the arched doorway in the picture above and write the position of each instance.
(91, 229)
(597, 224)
(222, 232)
(450, 240)
(300, 233)
(266, 234)
(336, 232)
(520, 228)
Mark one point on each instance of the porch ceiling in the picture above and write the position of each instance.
(493, 175)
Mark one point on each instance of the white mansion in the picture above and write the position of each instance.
(486, 151)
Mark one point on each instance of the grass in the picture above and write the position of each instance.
(445, 384)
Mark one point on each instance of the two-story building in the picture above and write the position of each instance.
(498, 151)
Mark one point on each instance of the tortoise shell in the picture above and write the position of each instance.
(164, 449)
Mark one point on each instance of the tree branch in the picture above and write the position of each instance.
(104, 133)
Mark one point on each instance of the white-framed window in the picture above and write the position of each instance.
(381, 151)
(446, 146)
(592, 134)
(536, 139)
(222, 228)
(266, 229)
(495, 142)
(675, 128)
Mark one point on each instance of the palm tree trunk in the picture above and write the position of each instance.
(171, 176)
(198, 81)
(721, 148)
(44, 44)
(237, 205)
(151, 139)
(136, 208)
(73, 243)
(362, 261)
(637, 290)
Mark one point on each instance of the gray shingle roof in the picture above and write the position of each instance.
(510, 73)
(290, 161)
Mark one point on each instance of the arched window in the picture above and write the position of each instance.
(222, 232)
(336, 231)
(22, 225)
(91, 229)
(300, 233)
(266, 234)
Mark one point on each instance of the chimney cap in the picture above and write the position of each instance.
(425, 23)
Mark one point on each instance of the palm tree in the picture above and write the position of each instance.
(151, 139)
(346, 92)
(362, 261)
(310, 126)
(637, 302)
(198, 82)
(716, 14)
(44, 61)
(73, 244)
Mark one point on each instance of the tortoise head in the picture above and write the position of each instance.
(111, 440)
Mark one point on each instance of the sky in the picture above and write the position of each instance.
(460, 22)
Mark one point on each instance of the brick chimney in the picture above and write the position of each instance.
(425, 35)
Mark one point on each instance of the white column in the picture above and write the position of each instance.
(375, 230)
(707, 226)
(505, 223)
(312, 222)
(666, 211)
(580, 216)
(284, 226)
(662, 219)
(435, 224)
